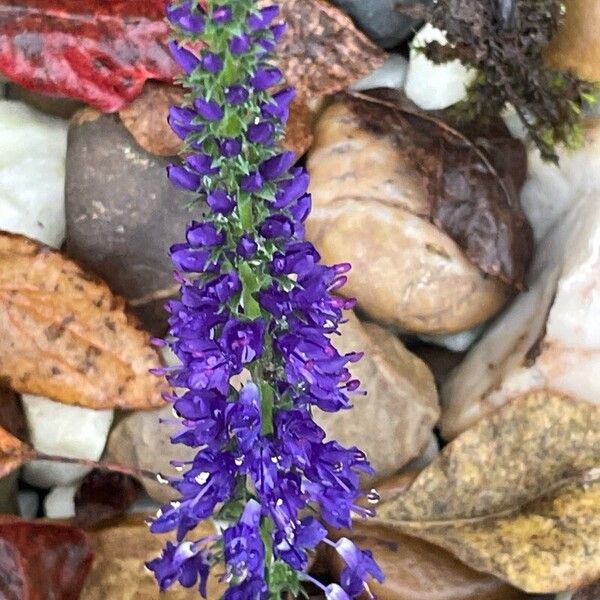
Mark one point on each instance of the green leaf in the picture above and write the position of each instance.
(266, 393)
(250, 285)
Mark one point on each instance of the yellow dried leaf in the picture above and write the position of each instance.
(66, 336)
(516, 495)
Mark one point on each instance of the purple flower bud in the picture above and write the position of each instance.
(278, 30)
(277, 226)
(278, 106)
(182, 16)
(239, 44)
(265, 78)
(263, 18)
(202, 164)
(230, 147)
(183, 178)
(222, 14)
(275, 167)
(209, 109)
(292, 189)
(261, 133)
(212, 62)
(204, 234)
(251, 183)
(301, 209)
(335, 592)
(184, 58)
(180, 121)
(220, 202)
(187, 259)
(236, 94)
(246, 247)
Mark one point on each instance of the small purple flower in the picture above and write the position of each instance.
(278, 106)
(246, 247)
(243, 339)
(183, 178)
(261, 133)
(277, 226)
(230, 147)
(264, 78)
(202, 164)
(244, 417)
(335, 592)
(185, 59)
(236, 94)
(188, 259)
(262, 18)
(275, 167)
(251, 183)
(220, 202)
(291, 189)
(359, 567)
(209, 109)
(183, 16)
(181, 121)
(212, 62)
(204, 234)
(239, 44)
(222, 14)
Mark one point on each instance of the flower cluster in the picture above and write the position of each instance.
(252, 330)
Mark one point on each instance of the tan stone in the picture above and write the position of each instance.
(371, 211)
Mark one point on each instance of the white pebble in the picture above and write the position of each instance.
(60, 502)
(33, 148)
(63, 430)
(392, 74)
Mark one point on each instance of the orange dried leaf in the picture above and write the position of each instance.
(65, 335)
(13, 453)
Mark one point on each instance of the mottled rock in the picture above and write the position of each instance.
(394, 421)
(382, 20)
(123, 213)
(548, 338)
(32, 173)
(431, 86)
(63, 430)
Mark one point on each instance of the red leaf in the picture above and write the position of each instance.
(42, 560)
(98, 51)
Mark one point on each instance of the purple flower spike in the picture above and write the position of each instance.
(261, 133)
(185, 59)
(209, 109)
(275, 167)
(251, 183)
(220, 202)
(212, 62)
(183, 178)
(265, 78)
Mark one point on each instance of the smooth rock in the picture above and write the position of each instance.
(391, 75)
(394, 421)
(407, 272)
(382, 20)
(551, 189)
(548, 338)
(455, 342)
(63, 430)
(431, 86)
(123, 214)
(64, 108)
(60, 502)
(29, 504)
(32, 173)
(417, 570)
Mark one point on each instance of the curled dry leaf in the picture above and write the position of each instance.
(118, 572)
(13, 453)
(417, 570)
(40, 561)
(66, 336)
(146, 120)
(513, 493)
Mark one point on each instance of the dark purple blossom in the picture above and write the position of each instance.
(243, 340)
(246, 247)
(183, 178)
(221, 202)
(185, 59)
(209, 109)
(212, 62)
(236, 94)
(265, 78)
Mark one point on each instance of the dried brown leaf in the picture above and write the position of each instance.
(66, 336)
(13, 453)
(472, 176)
(146, 120)
(516, 495)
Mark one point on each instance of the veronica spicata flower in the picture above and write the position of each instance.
(256, 300)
